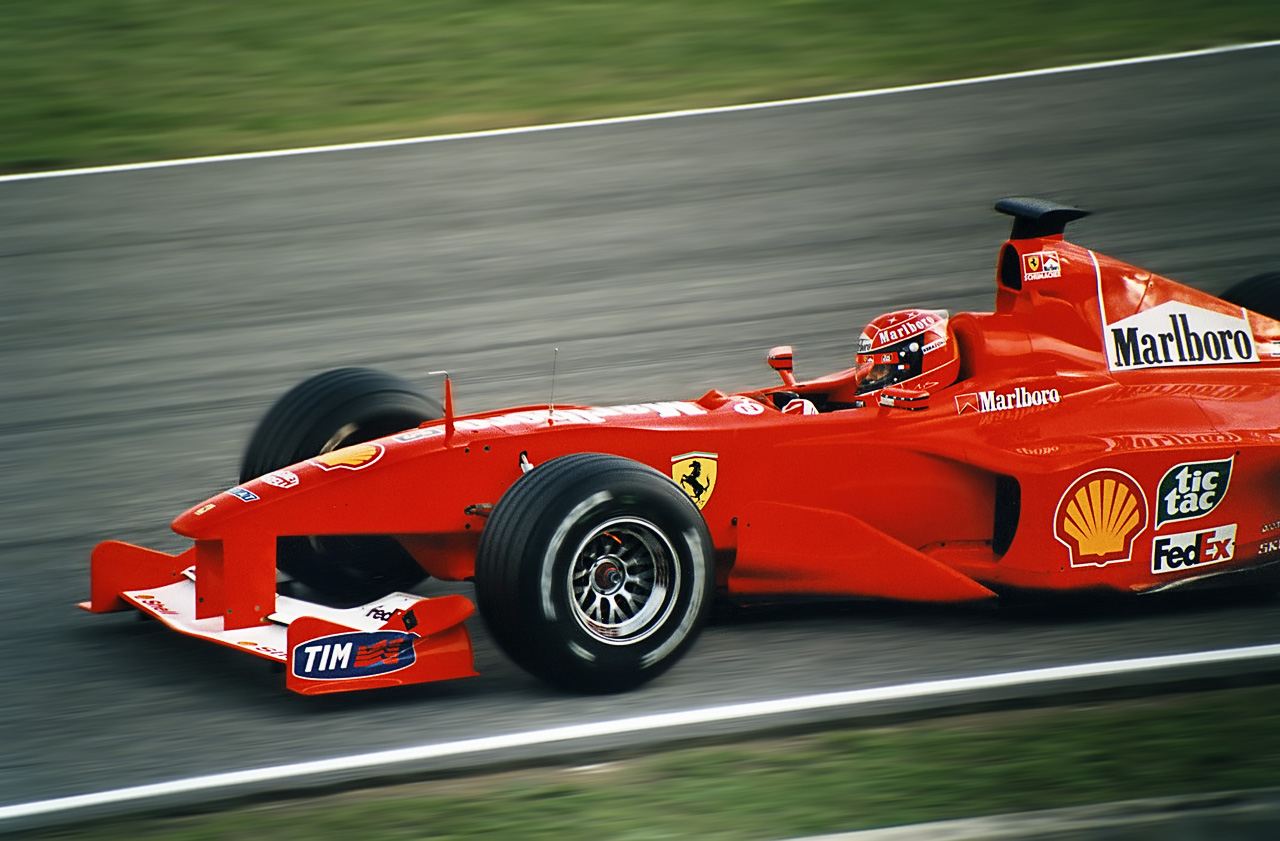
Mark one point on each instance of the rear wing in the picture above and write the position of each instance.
(1038, 217)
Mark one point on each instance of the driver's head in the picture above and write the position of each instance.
(909, 347)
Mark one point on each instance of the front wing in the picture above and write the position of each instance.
(395, 640)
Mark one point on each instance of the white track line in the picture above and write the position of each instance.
(665, 115)
(138, 795)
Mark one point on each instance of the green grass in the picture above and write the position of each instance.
(85, 82)
(781, 788)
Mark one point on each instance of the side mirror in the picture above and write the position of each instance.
(781, 359)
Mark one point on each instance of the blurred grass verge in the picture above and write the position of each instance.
(841, 780)
(90, 82)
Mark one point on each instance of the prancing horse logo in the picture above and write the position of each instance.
(695, 473)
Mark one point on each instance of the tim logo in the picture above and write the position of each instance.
(353, 655)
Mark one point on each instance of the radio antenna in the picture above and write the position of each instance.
(551, 401)
(448, 403)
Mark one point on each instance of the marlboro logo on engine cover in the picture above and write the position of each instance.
(1175, 335)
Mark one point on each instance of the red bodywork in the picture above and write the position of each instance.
(1110, 429)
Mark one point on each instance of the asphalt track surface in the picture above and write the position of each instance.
(148, 318)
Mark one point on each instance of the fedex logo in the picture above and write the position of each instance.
(382, 614)
(1193, 549)
(354, 655)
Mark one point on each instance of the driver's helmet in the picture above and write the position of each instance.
(912, 348)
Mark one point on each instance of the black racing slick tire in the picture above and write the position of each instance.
(1260, 294)
(595, 573)
(331, 410)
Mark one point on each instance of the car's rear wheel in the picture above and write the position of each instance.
(594, 572)
(331, 410)
(1260, 293)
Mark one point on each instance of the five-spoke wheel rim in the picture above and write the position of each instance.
(623, 580)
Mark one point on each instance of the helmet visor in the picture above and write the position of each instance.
(890, 366)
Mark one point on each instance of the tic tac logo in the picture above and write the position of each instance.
(354, 655)
(1192, 489)
(1176, 552)
(695, 473)
(1099, 516)
(1041, 265)
(355, 457)
(1175, 335)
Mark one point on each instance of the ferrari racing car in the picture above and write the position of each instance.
(1103, 429)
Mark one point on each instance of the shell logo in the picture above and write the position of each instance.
(355, 457)
(1099, 516)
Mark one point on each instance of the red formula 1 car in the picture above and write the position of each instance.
(1104, 429)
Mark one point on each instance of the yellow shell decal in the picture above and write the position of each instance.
(1099, 516)
(695, 473)
(351, 458)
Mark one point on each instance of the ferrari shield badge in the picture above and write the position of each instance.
(695, 473)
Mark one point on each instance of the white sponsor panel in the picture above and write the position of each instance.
(1176, 335)
(1188, 549)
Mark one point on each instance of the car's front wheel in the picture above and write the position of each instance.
(594, 572)
(326, 412)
